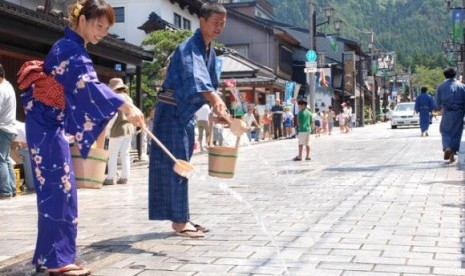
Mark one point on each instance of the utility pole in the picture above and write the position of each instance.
(462, 49)
(47, 6)
(373, 93)
(311, 75)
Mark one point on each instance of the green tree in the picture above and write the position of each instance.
(162, 43)
(427, 77)
(405, 26)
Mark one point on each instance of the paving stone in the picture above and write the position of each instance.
(377, 202)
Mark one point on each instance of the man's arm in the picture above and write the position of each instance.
(217, 104)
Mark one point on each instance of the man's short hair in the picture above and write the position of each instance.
(450, 72)
(210, 8)
(2, 71)
(424, 89)
(302, 102)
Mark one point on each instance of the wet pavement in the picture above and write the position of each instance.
(374, 202)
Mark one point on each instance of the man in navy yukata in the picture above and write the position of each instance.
(424, 105)
(191, 81)
(450, 97)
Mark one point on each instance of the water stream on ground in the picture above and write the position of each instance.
(224, 187)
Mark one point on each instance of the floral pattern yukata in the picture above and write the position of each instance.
(191, 72)
(82, 109)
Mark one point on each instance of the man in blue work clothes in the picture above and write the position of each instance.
(277, 111)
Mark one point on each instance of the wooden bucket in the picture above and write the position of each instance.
(90, 172)
(222, 161)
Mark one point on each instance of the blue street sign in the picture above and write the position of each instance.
(311, 55)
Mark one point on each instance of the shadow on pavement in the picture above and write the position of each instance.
(92, 253)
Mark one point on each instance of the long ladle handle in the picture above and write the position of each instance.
(160, 145)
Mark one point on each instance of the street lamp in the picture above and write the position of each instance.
(448, 3)
(312, 46)
(328, 13)
(337, 24)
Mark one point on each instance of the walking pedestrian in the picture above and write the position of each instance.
(7, 135)
(331, 118)
(252, 124)
(202, 120)
(424, 105)
(121, 132)
(324, 120)
(267, 125)
(288, 122)
(295, 112)
(191, 81)
(348, 122)
(317, 122)
(277, 111)
(217, 134)
(450, 97)
(342, 118)
(305, 123)
(63, 95)
(21, 150)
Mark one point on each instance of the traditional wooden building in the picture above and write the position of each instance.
(27, 34)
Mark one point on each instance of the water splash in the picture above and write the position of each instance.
(224, 187)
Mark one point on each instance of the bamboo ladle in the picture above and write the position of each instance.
(181, 167)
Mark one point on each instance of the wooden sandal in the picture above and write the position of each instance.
(200, 227)
(189, 233)
(73, 270)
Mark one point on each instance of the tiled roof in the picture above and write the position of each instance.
(155, 22)
(58, 24)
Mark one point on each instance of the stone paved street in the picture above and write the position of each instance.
(374, 202)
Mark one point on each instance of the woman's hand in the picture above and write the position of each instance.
(133, 114)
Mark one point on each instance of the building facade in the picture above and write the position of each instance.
(132, 15)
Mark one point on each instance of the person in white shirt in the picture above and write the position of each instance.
(202, 116)
(7, 135)
(20, 151)
(252, 124)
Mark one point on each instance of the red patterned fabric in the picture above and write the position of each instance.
(45, 88)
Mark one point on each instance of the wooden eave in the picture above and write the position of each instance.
(193, 6)
(33, 33)
(286, 37)
(155, 23)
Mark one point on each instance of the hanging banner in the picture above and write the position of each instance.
(296, 90)
(333, 43)
(218, 66)
(290, 86)
(230, 83)
(458, 16)
(349, 73)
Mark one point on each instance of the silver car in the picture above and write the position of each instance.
(404, 115)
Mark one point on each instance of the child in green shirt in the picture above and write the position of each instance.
(304, 118)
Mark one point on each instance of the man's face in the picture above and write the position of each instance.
(212, 27)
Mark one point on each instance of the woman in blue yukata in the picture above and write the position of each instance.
(62, 95)
(191, 81)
